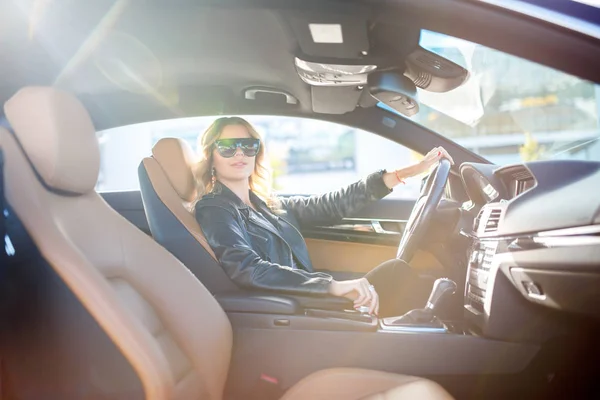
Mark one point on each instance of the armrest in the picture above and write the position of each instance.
(273, 303)
(244, 302)
(332, 303)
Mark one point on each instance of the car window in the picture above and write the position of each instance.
(307, 156)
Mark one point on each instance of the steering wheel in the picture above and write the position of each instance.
(425, 208)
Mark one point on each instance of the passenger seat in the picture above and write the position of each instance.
(166, 324)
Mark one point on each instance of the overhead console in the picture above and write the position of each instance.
(353, 59)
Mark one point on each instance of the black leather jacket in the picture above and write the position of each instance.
(255, 255)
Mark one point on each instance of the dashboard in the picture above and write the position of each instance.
(537, 196)
(534, 246)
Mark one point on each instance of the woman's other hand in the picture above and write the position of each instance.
(358, 290)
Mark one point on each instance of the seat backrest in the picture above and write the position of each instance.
(166, 324)
(168, 191)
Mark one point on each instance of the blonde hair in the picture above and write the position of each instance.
(261, 179)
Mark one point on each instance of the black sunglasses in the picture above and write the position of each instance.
(228, 147)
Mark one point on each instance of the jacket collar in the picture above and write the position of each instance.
(222, 190)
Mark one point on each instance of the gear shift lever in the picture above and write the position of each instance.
(442, 288)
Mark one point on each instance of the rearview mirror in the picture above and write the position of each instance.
(395, 91)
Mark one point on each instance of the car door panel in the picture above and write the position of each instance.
(336, 256)
(360, 243)
(351, 260)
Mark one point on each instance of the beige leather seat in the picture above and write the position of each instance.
(166, 324)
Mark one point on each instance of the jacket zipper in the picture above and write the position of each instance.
(258, 236)
(292, 225)
(276, 234)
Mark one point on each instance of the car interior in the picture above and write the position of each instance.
(118, 295)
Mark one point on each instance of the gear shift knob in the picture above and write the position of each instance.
(442, 288)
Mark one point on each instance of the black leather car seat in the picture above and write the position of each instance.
(168, 193)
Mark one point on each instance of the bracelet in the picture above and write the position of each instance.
(398, 177)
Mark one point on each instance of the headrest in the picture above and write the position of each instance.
(57, 135)
(177, 158)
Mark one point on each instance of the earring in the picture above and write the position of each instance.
(213, 173)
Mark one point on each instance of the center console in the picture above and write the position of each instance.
(481, 257)
(289, 341)
(491, 305)
(255, 310)
(479, 273)
(424, 319)
(494, 306)
(499, 335)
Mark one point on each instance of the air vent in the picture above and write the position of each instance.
(522, 174)
(493, 220)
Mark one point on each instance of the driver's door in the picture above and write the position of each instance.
(363, 241)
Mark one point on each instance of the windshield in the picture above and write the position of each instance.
(512, 110)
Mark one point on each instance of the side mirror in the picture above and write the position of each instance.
(395, 91)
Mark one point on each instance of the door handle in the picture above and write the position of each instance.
(250, 94)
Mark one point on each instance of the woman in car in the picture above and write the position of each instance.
(256, 235)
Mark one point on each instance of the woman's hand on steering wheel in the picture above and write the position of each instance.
(358, 290)
(430, 159)
(393, 178)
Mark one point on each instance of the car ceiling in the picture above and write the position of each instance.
(134, 61)
(147, 52)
